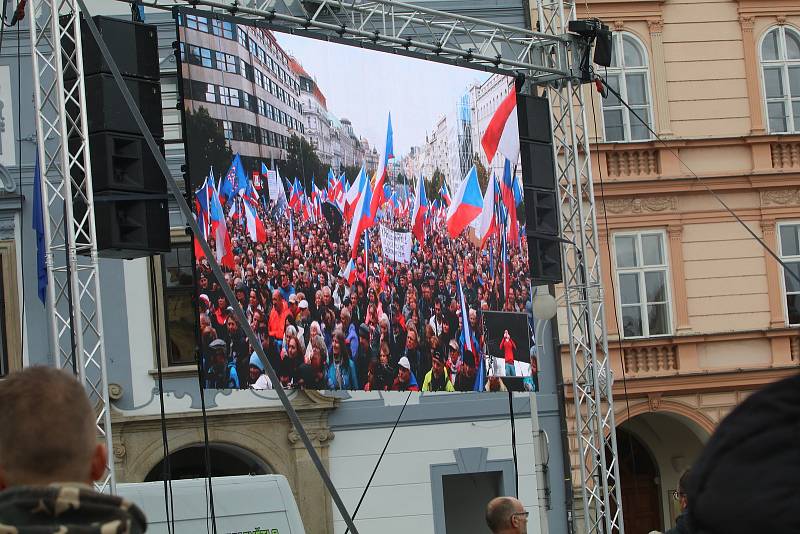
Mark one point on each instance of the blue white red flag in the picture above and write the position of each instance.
(467, 204)
(383, 169)
(419, 212)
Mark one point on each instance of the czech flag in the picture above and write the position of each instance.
(502, 133)
(445, 194)
(202, 200)
(224, 250)
(362, 218)
(420, 210)
(295, 195)
(353, 194)
(378, 197)
(487, 224)
(507, 194)
(255, 228)
(467, 204)
(349, 271)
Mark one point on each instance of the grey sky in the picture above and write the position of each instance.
(365, 85)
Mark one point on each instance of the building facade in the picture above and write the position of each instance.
(699, 314)
(243, 77)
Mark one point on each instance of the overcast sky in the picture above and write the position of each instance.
(365, 85)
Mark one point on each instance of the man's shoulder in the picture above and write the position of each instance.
(71, 507)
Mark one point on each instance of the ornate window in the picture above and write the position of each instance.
(642, 280)
(629, 76)
(780, 67)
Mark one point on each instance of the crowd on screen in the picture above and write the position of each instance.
(392, 327)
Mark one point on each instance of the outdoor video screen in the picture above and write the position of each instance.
(365, 207)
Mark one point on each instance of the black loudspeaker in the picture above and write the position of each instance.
(604, 47)
(538, 165)
(130, 226)
(106, 109)
(539, 189)
(131, 207)
(123, 163)
(134, 47)
(533, 115)
(544, 259)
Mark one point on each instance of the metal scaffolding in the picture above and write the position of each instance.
(583, 293)
(546, 57)
(73, 288)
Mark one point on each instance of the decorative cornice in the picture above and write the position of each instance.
(655, 26)
(654, 401)
(321, 435)
(747, 22)
(780, 197)
(621, 206)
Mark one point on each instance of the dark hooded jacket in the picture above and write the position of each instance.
(745, 480)
(67, 509)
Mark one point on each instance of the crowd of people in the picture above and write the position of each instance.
(393, 326)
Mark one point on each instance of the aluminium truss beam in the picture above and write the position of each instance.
(583, 294)
(73, 289)
(403, 27)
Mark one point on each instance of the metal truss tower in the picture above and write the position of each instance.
(73, 288)
(583, 291)
(548, 58)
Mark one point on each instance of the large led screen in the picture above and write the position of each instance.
(366, 208)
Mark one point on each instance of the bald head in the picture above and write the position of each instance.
(506, 515)
(48, 430)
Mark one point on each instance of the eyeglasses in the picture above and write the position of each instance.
(677, 494)
(526, 514)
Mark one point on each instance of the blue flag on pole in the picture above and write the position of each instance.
(38, 226)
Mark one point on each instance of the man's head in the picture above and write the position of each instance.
(506, 515)
(42, 401)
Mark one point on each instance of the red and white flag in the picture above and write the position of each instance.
(502, 134)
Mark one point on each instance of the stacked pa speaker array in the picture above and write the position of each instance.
(130, 192)
(540, 189)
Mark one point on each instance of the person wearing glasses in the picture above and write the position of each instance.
(506, 515)
(681, 522)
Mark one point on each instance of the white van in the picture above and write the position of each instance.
(261, 504)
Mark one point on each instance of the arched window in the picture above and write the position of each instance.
(780, 63)
(628, 75)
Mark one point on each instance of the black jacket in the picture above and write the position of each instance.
(745, 480)
(681, 525)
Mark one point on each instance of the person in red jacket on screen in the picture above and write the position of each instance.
(508, 347)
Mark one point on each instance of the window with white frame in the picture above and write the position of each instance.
(226, 62)
(211, 93)
(789, 235)
(780, 66)
(629, 76)
(642, 280)
(227, 129)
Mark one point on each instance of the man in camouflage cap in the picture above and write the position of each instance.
(49, 457)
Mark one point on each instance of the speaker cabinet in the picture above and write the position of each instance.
(131, 226)
(133, 45)
(122, 162)
(533, 115)
(544, 259)
(538, 165)
(106, 109)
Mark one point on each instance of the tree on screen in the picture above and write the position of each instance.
(433, 185)
(302, 163)
(483, 176)
(206, 146)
